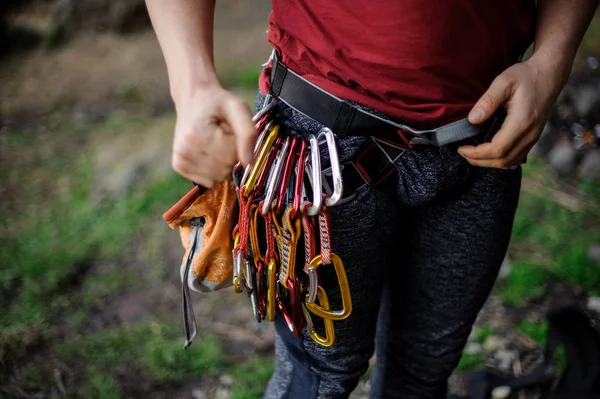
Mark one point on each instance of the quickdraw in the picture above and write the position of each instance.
(275, 217)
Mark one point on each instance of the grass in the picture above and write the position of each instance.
(101, 385)
(251, 378)
(470, 361)
(552, 239)
(483, 333)
(155, 347)
(536, 330)
(525, 282)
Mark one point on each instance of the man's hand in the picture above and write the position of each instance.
(214, 129)
(528, 91)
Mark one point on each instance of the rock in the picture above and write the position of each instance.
(505, 359)
(501, 392)
(473, 348)
(562, 158)
(494, 343)
(198, 393)
(505, 269)
(226, 380)
(594, 252)
(590, 166)
(586, 98)
(593, 303)
(70, 16)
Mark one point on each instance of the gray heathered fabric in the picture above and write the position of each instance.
(431, 250)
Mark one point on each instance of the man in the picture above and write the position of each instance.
(437, 239)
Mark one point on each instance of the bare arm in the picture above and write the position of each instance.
(185, 32)
(529, 89)
(214, 127)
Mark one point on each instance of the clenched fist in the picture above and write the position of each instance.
(214, 130)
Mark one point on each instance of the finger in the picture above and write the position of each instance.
(497, 94)
(184, 168)
(239, 118)
(498, 148)
(200, 166)
(223, 148)
(518, 122)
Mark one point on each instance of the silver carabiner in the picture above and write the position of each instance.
(314, 170)
(336, 170)
(274, 176)
(266, 108)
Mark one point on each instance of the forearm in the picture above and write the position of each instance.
(185, 32)
(561, 25)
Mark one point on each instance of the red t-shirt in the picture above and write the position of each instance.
(423, 62)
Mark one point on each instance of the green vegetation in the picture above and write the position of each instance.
(536, 330)
(483, 332)
(101, 386)
(470, 361)
(247, 78)
(551, 238)
(525, 282)
(251, 378)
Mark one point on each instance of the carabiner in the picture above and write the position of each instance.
(329, 337)
(267, 168)
(275, 175)
(267, 108)
(271, 289)
(299, 179)
(344, 290)
(293, 287)
(258, 166)
(283, 185)
(286, 316)
(264, 134)
(237, 260)
(336, 170)
(314, 169)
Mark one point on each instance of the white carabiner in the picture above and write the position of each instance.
(336, 170)
(314, 170)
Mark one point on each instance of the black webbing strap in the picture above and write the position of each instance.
(347, 120)
(373, 166)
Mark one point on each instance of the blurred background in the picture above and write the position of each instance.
(89, 272)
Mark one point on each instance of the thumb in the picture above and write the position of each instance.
(239, 118)
(497, 94)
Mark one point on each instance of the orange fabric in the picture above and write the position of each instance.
(218, 206)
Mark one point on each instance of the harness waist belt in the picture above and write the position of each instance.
(346, 119)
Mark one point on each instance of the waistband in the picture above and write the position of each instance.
(345, 119)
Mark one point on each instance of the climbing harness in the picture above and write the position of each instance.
(284, 197)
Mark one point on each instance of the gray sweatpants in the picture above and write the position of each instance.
(420, 262)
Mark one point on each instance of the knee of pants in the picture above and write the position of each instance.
(430, 361)
(337, 368)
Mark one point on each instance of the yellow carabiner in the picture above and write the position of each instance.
(236, 267)
(344, 289)
(258, 166)
(271, 290)
(329, 337)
